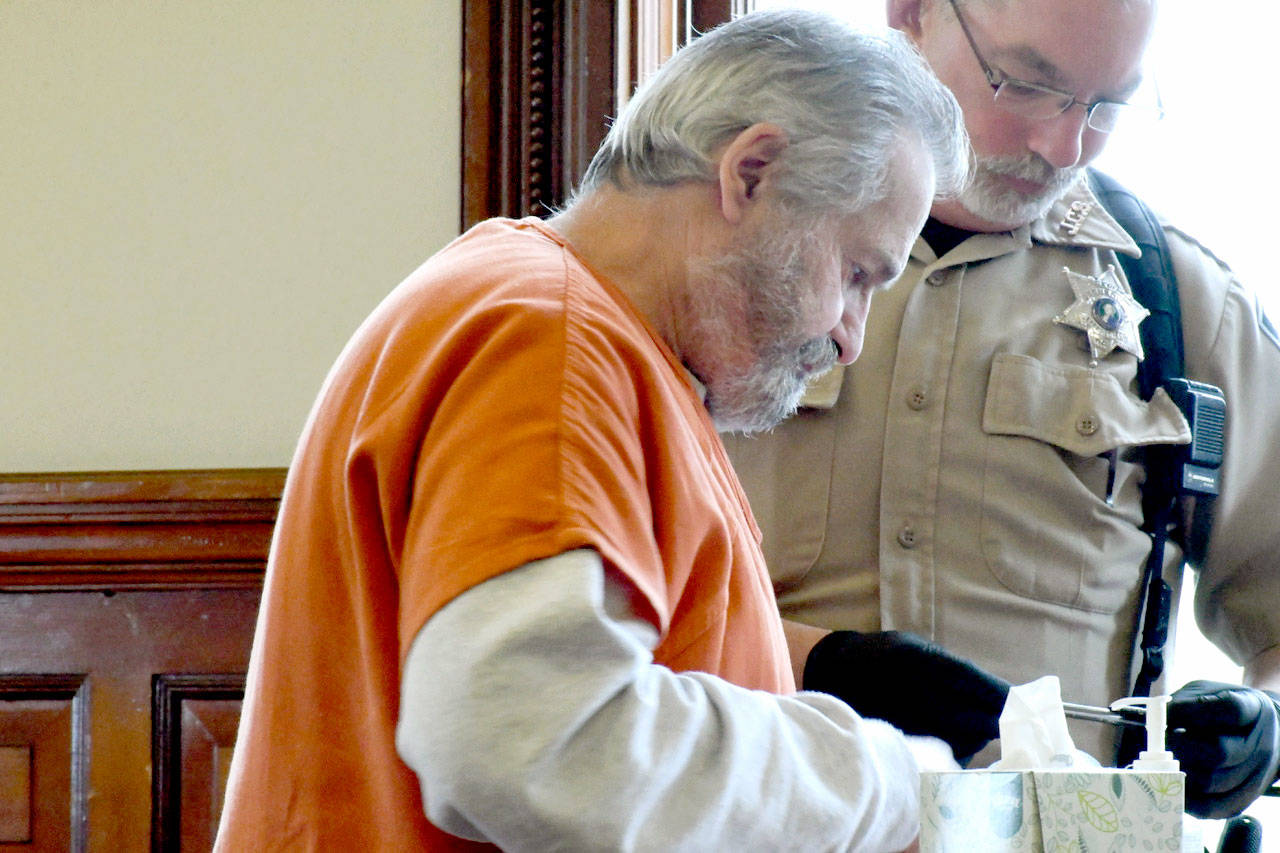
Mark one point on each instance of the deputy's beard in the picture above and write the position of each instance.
(753, 298)
(990, 198)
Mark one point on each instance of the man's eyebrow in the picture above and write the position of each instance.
(1050, 74)
(1127, 92)
(1037, 62)
(885, 269)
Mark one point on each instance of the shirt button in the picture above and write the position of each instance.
(936, 278)
(1087, 425)
(917, 398)
(907, 536)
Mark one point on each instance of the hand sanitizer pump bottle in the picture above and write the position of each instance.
(1155, 758)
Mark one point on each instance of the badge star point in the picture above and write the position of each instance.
(1105, 312)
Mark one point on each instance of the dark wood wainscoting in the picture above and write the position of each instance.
(127, 606)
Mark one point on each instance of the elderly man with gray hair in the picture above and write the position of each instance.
(516, 596)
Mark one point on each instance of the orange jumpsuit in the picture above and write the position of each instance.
(502, 405)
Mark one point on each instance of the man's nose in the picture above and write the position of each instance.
(848, 333)
(1059, 140)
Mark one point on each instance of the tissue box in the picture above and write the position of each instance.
(1082, 811)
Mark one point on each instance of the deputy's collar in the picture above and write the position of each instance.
(1079, 219)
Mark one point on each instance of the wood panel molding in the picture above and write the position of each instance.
(44, 731)
(537, 86)
(137, 530)
(540, 82)
(193, 733)
(15, 794)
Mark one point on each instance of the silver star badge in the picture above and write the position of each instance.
(1105, 312)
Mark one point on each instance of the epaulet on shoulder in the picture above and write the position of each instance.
(1170, 228)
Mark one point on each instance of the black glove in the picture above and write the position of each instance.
(1227, 739)
(917, 686)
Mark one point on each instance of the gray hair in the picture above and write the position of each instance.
(844, 97)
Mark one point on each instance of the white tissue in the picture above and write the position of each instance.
(1033, 730)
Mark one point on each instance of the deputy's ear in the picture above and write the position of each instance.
(747, 163)
(905, 15)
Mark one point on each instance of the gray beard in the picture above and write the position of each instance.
(988, 198)
(771, 392)
(770, 272)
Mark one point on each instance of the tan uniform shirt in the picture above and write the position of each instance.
(953, 481)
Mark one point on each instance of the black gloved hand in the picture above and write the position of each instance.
(917, 686)
(1227, 739)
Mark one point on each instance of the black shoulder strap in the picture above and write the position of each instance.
(1152, 282)
(1151, 279)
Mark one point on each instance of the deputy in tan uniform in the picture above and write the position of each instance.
(972, 478)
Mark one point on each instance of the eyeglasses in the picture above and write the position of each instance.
(1038, 102)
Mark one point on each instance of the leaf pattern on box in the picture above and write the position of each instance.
(1100, 812)
(1053, 812)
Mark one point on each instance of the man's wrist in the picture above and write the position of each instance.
(801, 639)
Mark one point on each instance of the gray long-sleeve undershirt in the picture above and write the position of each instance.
(535, 718)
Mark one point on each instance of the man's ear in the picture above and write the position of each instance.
(746, 163)
(905, 15)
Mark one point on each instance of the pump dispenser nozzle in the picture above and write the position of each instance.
(1155, 757)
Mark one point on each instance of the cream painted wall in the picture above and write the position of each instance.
(199, 202)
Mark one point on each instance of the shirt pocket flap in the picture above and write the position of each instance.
(1081, 410)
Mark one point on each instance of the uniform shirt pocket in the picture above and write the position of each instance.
(1052, 433)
